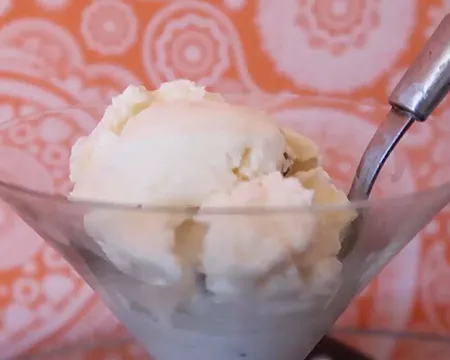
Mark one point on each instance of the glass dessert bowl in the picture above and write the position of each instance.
(259, 318)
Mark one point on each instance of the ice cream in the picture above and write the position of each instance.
(176, 145)
(228, 194)
(181, 145)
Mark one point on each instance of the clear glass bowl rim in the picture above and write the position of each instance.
(353, 205)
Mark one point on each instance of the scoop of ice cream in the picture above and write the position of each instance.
(240, 249)
(182, 146)
(175, 145)
(287, 248)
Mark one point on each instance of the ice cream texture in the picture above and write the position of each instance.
(181, 146)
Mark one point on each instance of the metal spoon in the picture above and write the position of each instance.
(422, 88)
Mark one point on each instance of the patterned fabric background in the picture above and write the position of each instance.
(70, 51)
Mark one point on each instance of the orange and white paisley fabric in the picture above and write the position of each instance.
(54, 53)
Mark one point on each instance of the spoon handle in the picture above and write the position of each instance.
(427, 81)
(377, 152)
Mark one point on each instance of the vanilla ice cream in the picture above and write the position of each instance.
(218, 216)
(183, 146)
(176, 145)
